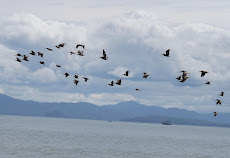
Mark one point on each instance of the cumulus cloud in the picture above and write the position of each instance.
(134, 42)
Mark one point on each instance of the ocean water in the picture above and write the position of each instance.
(41, 137)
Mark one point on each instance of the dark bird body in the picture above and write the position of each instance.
(85, 78)
(40, 54)
(218, 101)
(25, 58)
(80, 45)
(66, 74)
(76, 82)
(17, 59)
(58, 66)
(49, 49)
(126, 73)
(118, 82)
(215, 113)
(104, 55)
(81, 53)
(222, 94)
(32, 53)
(203, 73)
(111, 84)
(145, 75)
(166, 53)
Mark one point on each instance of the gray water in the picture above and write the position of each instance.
(40, 137)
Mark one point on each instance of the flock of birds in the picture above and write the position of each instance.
(182, 78)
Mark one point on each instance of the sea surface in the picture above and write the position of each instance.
(41, 137)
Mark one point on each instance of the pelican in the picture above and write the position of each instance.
(218, 101)
(104, 55)
(76, 82)
(81, 53)
(17, 59)
(145, 75)
(111, 84)
(32, 52)
(85, 78)
(66, 74)
(221, 94)
(25, 58)
(49, 49)
(126, 73)
(80, 45)
(40, 54)
(203, 73)
(166, 53)
(118, 82)
(215, 113)
(42, 62)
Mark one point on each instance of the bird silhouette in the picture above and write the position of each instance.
(179, 78)
(66, 74)
(145, 75)
(166, 53)
(17, 59)
(104, 55)
(76, 82)
(215, 113)
(19, 55)
(58, 66)
(111, 84)
(32, 52)
(218, 101)
(221, 94)
(126, 73)
(40, 54)
(118, 82)
(75, 76)
(42, 62)
(71, 53)
(80, 45)
(137, 89)
(49, 49)
(85, 78)
(81, 53)
(203, 73)
(208, 83)
(25, 58)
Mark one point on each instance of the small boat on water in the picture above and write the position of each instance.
(166, 123)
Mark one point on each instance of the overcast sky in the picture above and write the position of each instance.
(134, 35)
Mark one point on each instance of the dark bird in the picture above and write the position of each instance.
(81, 53)
(126, 73)
(203, 73)
(61, 45)
(75, 82)
(40, 54)
(71, 53)
(166, 53)
(42, 62)
(25, 58)
(49, 49)
(208, 83)
(80, 45)
(58, 65)
(32, 52)
(118, 82)
(218, 101)
(215, 113)
(137, 89)
(104, 55)
(111, 84)
(75, 76)
(222, 94)
(17, 59)
(57, 47)
(66, 74)
(85, 78)
(19, 55)
(145, 75)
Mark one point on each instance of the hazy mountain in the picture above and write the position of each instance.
(126, 111)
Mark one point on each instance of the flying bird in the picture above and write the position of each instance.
(32, 52)
(218, 101)
(80, 45)
(81, 53)
(42, 62)
(145, 75)
(184, 78)
(221, 94)
(208, 83)
(203, 73)
(58, 65)
(166, 53)
(104, 55)
(85, 78)
(61, 45)
(66, 74)
(215, 113)
(111, 84)
(71, 53)
(76, 82)
(75, 76)
(118, 82)
(40, 54)
(179, 77)
(137, 89)
(19, 55)
(49, 49)
(126, 73)
(25, 58)
(17, 59)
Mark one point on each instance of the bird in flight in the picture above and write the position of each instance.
(166, 53)
(145, 75)
(66, 74)
(58, 65)
(42, 62)
(111, 84)
(32, 52)
(218, 101)
(85, 78)
(221, 94)
(104, 55)
(118, 82)
(49, 49)
(40, 54)
(215, 113)
(17, 59)
(203, 73)
(126, 73)
(76, 82)
(80, 45)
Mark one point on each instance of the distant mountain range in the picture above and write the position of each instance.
(125, 111)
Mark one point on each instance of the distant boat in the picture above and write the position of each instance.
(166, 123)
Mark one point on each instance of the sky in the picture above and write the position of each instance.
(134, 35)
